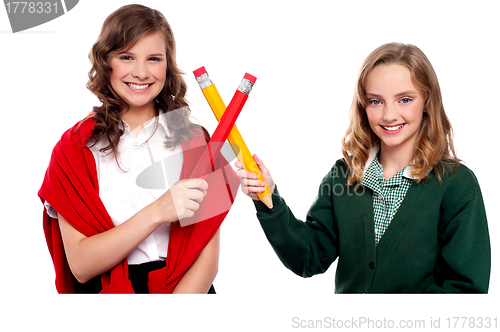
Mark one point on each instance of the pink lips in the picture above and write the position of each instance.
(393, 131)
(139, 90)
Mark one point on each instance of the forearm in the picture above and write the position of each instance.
(306, 248)
(201, 274)
(89, 257)
(286, 235)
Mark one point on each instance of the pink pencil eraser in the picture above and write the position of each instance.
(251, 78)
(200, 71)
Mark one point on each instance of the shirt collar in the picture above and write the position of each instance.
(162, 121)
(373, 153)
(149, 127)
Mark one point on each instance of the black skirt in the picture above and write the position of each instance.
(138, 275)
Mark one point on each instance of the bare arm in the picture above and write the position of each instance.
(91, 256)
(201, 274)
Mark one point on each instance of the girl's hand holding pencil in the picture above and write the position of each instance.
(250, 186)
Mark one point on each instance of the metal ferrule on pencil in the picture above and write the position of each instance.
(204, 81)
(245, 86)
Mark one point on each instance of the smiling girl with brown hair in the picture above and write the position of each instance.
(106, 233)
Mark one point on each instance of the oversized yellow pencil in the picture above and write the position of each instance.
(218, 108)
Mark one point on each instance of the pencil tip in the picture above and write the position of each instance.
(268, 201)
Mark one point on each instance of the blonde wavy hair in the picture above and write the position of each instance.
(434, 147)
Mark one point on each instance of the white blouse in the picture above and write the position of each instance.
(138, 183)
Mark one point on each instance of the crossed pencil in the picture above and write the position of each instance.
(226, 128)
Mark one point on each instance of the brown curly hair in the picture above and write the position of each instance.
(120, 32)
(434, 147)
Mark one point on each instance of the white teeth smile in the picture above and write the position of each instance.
(138, 87)
(393, 128)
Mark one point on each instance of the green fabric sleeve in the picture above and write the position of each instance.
(306, 248)
(464, 261)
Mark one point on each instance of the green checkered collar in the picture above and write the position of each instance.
(374, 152)
(373, 178)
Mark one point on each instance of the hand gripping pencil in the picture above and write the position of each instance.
(224, 127)
(218, 108)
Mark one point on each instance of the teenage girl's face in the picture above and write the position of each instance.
(138, 75)
(395, 107)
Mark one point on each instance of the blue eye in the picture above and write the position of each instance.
(406, 100)
(375, 102)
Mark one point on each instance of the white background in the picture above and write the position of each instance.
(305, 58)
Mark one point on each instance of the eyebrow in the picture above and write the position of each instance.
(404, 93)
(154, 54)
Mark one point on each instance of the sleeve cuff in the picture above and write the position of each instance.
(50, 210)
(278, 203)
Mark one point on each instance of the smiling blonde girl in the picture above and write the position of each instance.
(399, 211)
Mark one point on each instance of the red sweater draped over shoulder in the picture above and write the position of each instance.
(71, 187)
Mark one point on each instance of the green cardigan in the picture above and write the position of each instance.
(437, 242)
